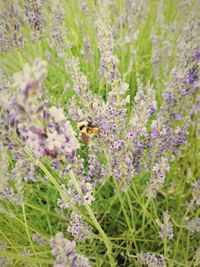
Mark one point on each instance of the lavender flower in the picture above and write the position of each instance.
(9, 192)
(35, 17)
(58, 30)
(192, 225)
(84, 7)
(109, 62)
(150, 260)
(91, 103)
(10, 26)
(145, 106)
(25, 251)
(4, 261)
(65, 253)
(162, 46)
(80, 82)
(73, 197)
(104, 30)
(29, 81)
(158, 177)
(134, 19)
(97, 171)
(78, 228)
(39, 239)
(196, 192)
(25, 170)
(87, 51)
(166, 227)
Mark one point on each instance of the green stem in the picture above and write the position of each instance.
(126, 215)
(165, 248)
(94, 220)
(27, 230)
(25, 258)
(20, 59)
(8, 240)
(181, 230)
(145, 214)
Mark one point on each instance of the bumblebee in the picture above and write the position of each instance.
(87, 129)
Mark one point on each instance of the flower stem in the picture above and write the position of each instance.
(94, 220)
(25, 258)
(89, 210)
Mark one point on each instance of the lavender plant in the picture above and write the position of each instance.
(99, 115)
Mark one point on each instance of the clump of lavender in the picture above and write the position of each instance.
(123, 159)
(78, 227)
(184, 77)
(11, 21)
(134, 18)
(192, 225)
(158, 177)
(150, 260)
(90, 103)
(166, 228)
(110, 115)
(108, 62)
(35, 18)
(164, 141)
(12, 186)
(179, 97)
(13, 178)
(84, 7)
(65, 253)
(162, 42)
(58, 33)
(39, 239)
(45, 131)
(124, 147)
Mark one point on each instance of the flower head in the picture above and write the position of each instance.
(166, 227)
(78, 228)
(65, 253)
(150, 260)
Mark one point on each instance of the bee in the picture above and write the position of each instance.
(87, 129)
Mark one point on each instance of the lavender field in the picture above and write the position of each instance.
(99, 133)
